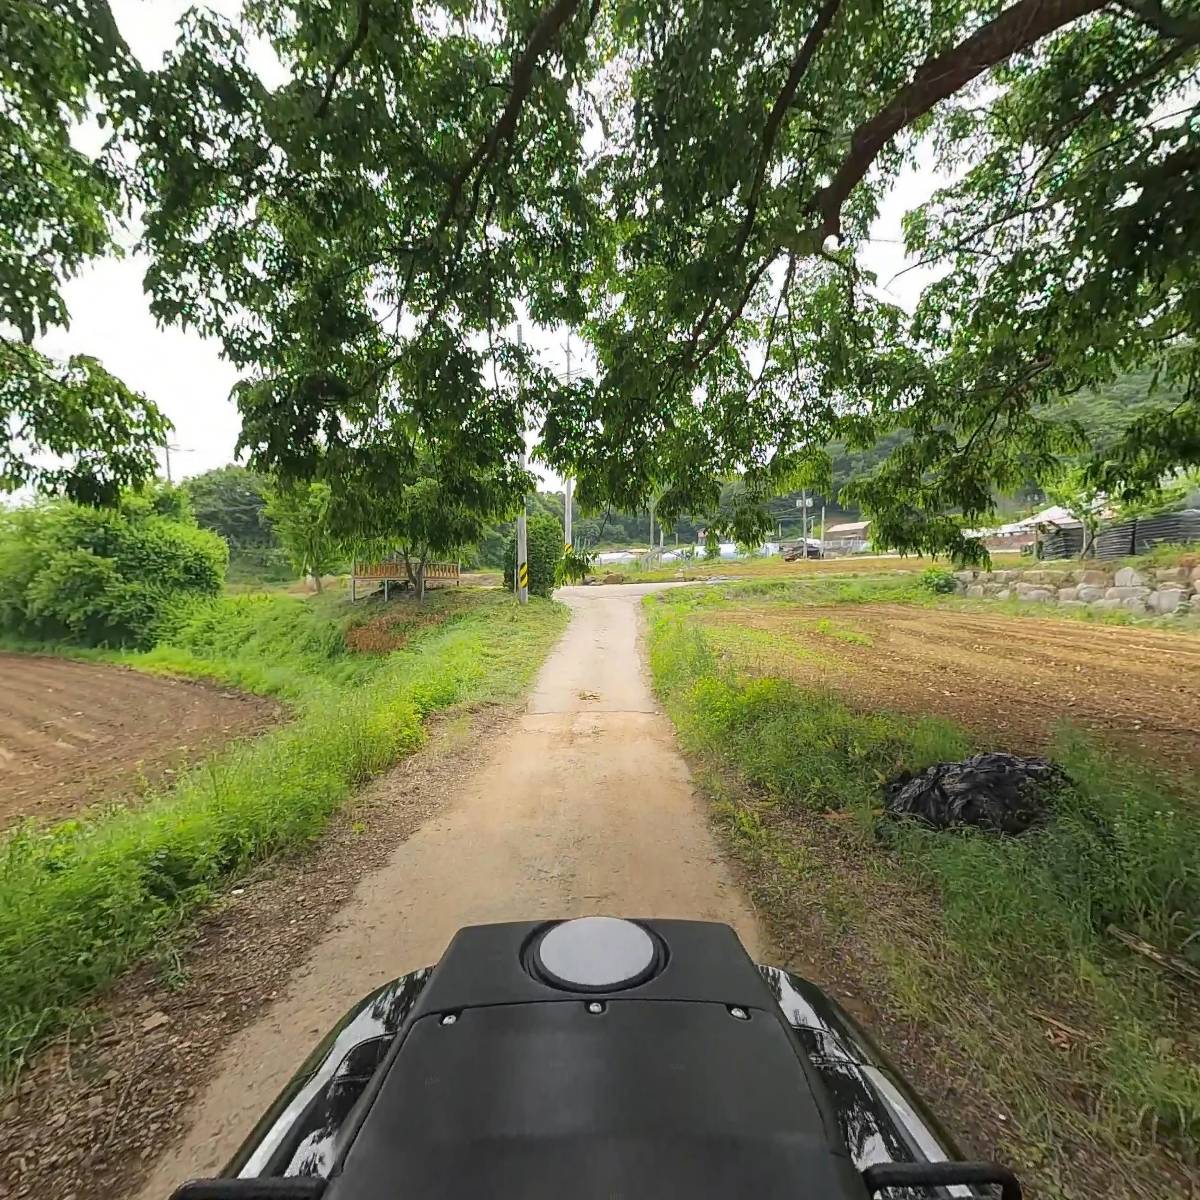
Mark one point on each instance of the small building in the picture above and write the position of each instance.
(847, 538)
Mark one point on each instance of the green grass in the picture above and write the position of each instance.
(900, 588)
(775, 568)
(1088, 614)
(83, 900)
(852, 637)
(1013, 925)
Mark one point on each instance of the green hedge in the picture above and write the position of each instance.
(104, 577)
(544, 541)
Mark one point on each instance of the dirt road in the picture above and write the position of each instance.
(585, 807)
(72, 733)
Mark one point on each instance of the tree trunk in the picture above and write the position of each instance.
(316, 578)
(421, 580)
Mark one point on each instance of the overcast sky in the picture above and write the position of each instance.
(185, 375)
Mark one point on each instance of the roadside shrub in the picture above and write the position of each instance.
(544, 540)
(572, 567)
(938, 580)
(103, 576)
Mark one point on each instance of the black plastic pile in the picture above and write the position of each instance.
(1003, 793)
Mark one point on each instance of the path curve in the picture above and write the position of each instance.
(586, 808)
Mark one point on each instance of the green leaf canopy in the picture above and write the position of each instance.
(690, 187)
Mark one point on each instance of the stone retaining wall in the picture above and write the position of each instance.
(1156, 591)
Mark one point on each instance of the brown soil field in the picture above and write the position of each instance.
(1013, 679)
(74, 733)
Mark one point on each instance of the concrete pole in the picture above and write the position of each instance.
(568, 484)
(521, 582)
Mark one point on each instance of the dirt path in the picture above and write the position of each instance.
(584, 807)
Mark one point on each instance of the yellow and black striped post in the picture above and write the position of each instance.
(523, 580)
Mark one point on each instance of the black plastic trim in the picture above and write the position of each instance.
(294, 1187)
(941, 1174)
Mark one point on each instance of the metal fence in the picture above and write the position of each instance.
(1124, 538)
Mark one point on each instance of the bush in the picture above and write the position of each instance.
(104, 576)
(544, 540)
(938, 580)
(573, 567)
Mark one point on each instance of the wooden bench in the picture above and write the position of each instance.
(391, 571)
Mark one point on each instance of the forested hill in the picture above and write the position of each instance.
(1105, 414)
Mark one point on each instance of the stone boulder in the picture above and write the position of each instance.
(1167, 600)
(1172, 574)
(1124, 591)
(1034, 594)
(1107, 603)
(1127, 577)
(1089, 593)
(1096, 578)
(1068, 594)
(975, 591)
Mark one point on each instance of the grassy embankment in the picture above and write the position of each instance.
(991, 954)
(81, 901)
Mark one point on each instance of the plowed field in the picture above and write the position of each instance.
(74, 733)
(1012, 679)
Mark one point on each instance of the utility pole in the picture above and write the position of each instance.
(521, 581)
(167, 448)
(568, 483)
(568, 503)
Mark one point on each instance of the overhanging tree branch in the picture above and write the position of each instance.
(520, 83)
(783, 102)
(1183, 27)
(1015, 29)
(347, 55)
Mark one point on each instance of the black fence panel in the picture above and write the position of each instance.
(1063, 543)
(1172, 528)
(1116, 541)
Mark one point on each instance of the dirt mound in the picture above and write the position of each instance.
(392, 629)
(1002, 793)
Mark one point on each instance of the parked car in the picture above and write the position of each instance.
(809, 548)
